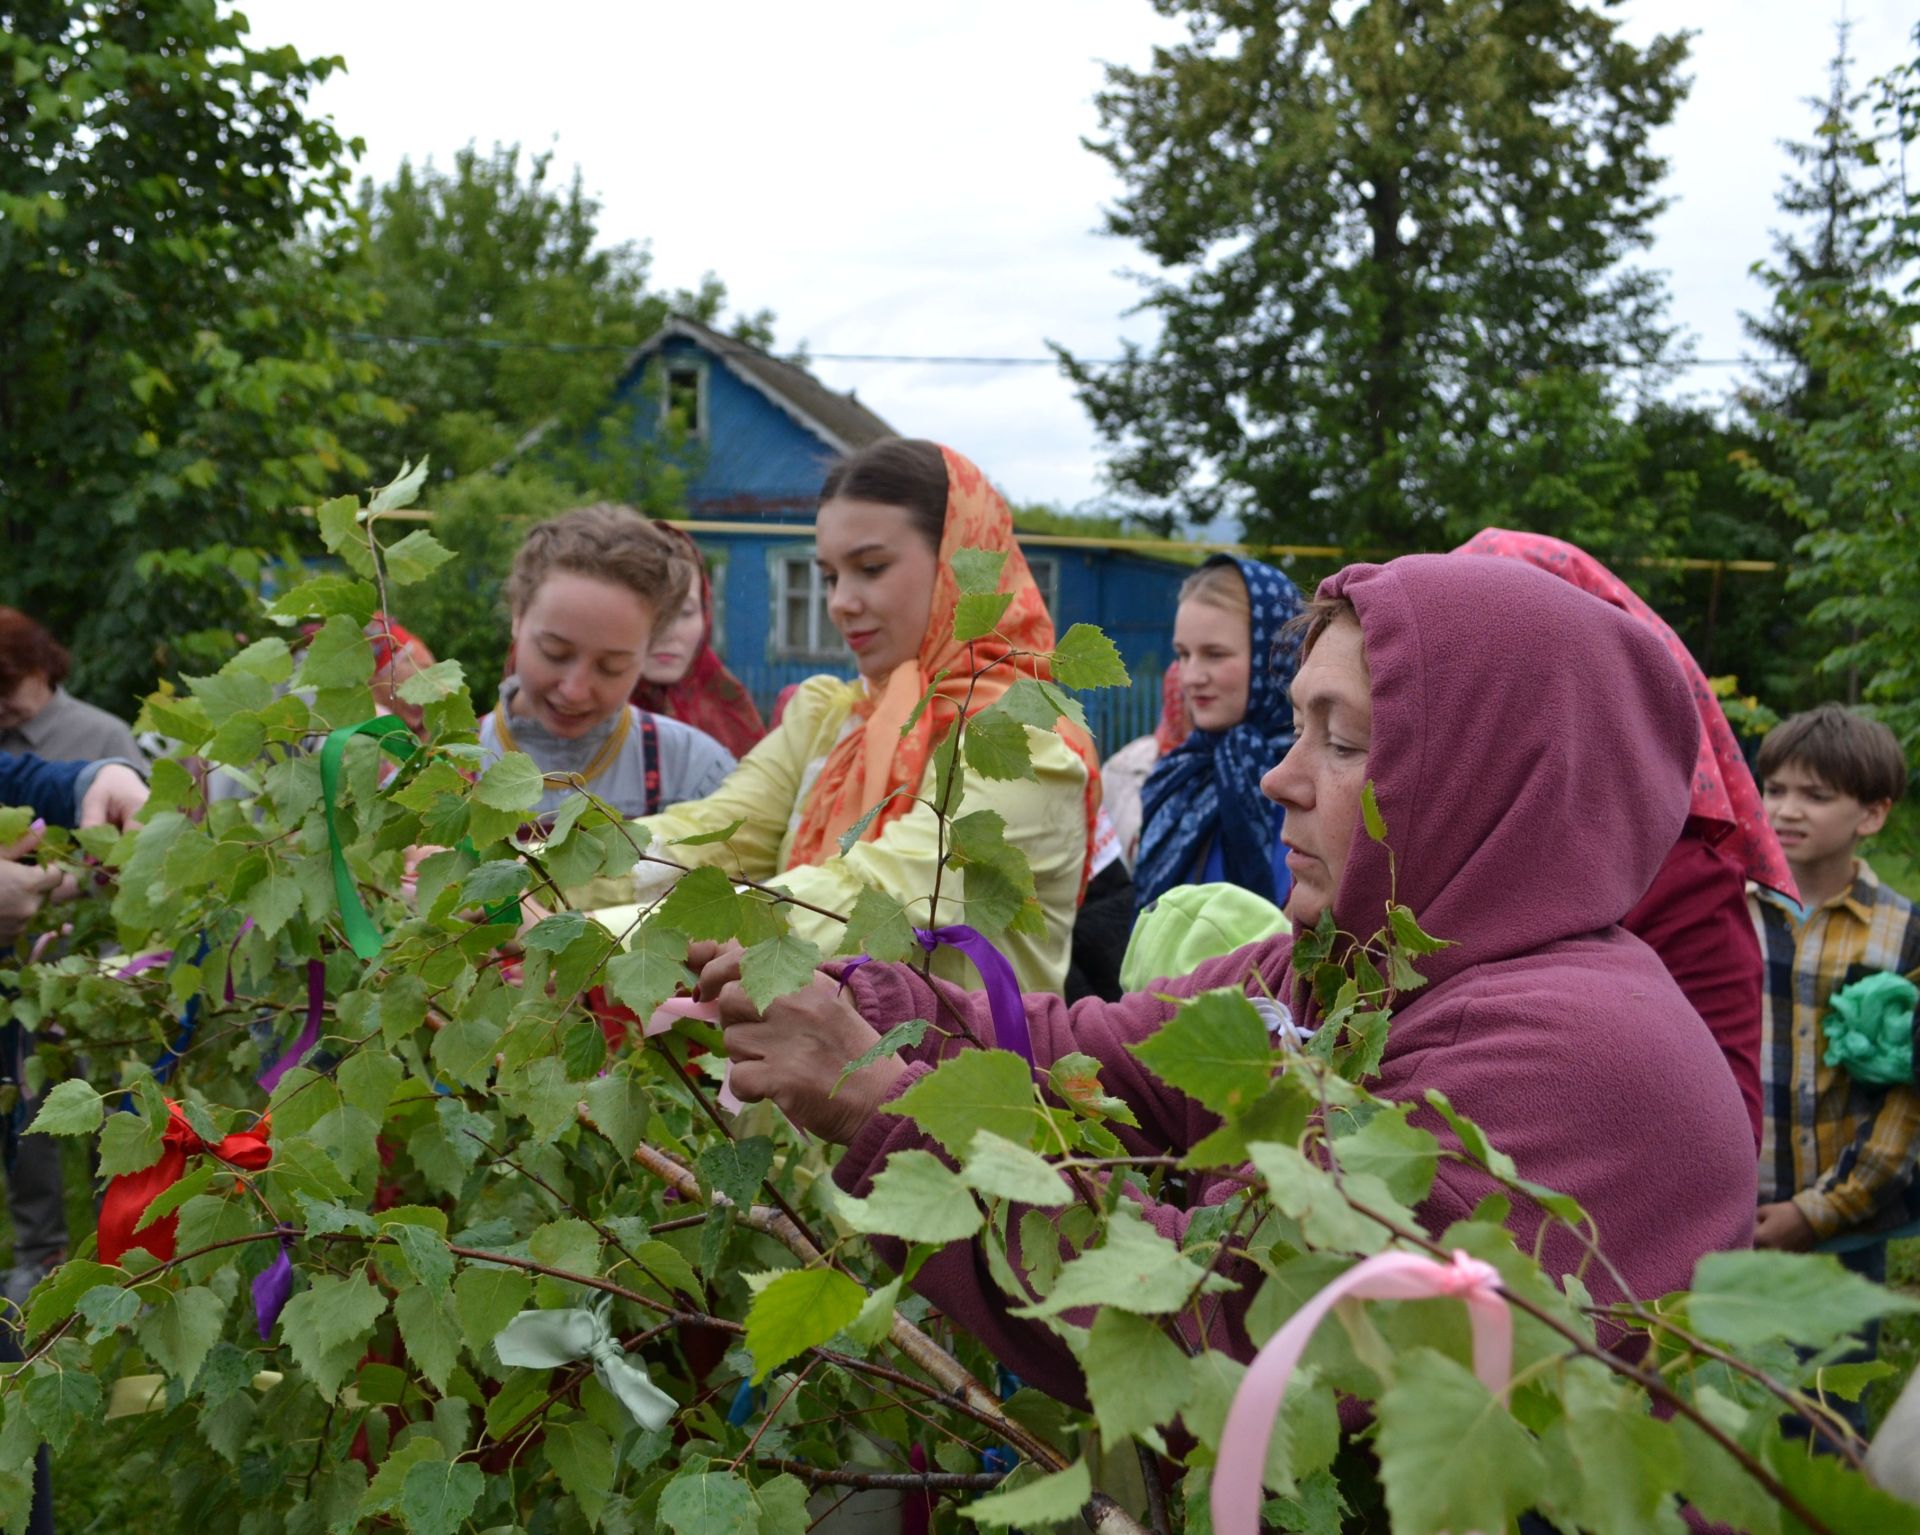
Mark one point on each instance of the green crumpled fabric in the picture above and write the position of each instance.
(1869, 1029)
(546, 1340)
(1194, 923)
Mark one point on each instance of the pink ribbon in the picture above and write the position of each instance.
(670, 1012)
(1237, 1496)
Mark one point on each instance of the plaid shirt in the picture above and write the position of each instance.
(1842, 1151)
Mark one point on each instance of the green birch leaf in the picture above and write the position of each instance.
(59, 1401)
(486, 1299)
(430, 1331)
(1002, 1170)
(180, 1327)
(399, 492)
(556, 934)
(1075, 1079)
(1086, 658)
(383, 1493)
(702, 839)
(273, 903)
(326, 1326)
(619, 1108)
(338, 656)
(168, 1200)
(977, 614)
(651, 968)
(438, 1495)
(569, 1244)
(1451, 1457)
(581, 1455)
(1215, 1050)
(878, 926)
(72, 1108)
(666, 1265)
(899, 1037)
(996, 747)
(1137, 1376)
(1376, 823)
(1616, 1468)
(326, 595)
(107, 1309)
(1473, 1140)
(1051, 1499)
(54, 1298)
(414, 558)
(796, 1311)
(875, 1322)
(1408, 933)
(1306, 1191)
(777, 967)
(504, 879)
(913, 716)
(736, 1168)
(425, 1254)
(708, 1503)
(974, 1090)
(128, 1143)
(915, 1196)
(1134, 1268)
(701, 905)
(783, 1506)
(1402, 1156)
(514, 783)
(977, 571)
(1748, 1299)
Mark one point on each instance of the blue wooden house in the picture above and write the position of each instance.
(756, 435)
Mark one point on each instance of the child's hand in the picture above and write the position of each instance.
(1783, 1228)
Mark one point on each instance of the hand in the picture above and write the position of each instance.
(795, 1052)
(24, 887)
(115, 798)
(1782, 1228)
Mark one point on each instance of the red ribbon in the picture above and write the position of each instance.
(129, 1194)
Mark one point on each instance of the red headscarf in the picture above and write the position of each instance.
(882, 754)
(708, 697)
(1175, 725)
(1723, 788)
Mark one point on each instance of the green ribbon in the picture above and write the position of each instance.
(546, 1340)
(396, 738)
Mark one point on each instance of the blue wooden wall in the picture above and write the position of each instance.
(755, 459)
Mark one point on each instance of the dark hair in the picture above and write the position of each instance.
(27, 650)
(611, 543)
(1311, 622)
(1844, 750)
(907, 472)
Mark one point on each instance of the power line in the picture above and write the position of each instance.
(951, 360)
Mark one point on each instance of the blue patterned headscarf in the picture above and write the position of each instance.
(1207, 789)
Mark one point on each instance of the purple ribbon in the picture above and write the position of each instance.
(997, 979)
(272, 1286)
(298, 1051)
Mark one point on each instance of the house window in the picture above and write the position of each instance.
(685, 397)
(1046, 576)
(801, 627)
(717, 577)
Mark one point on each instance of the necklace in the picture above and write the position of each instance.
(609, 748)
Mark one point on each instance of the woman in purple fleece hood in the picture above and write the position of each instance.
(1531, 750)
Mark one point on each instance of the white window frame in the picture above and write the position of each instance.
(820, 641)
(685, 363)
(1045, 570)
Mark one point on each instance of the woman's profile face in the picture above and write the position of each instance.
(879, 569)
(1214, 649)
(677, 642)
(579, 644)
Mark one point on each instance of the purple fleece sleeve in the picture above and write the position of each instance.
(957, 1279)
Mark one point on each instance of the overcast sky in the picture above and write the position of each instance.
(910, 179)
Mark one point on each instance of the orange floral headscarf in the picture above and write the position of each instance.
(874, 759)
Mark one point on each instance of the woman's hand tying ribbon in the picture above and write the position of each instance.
(546, 1340)
(129, 1194)
(1237, 1495)
(794, 1052)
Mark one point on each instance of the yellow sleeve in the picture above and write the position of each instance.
(761, 792)
(1046, 819)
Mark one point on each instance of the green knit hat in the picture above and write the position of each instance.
(1194, 923)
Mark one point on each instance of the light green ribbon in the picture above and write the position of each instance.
(397, 739)
(546, 1340)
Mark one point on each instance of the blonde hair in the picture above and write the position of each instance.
(609, 543)
(1219, 585)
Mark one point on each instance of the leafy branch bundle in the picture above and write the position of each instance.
(464, 1146)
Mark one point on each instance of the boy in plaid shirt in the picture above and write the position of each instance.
(1836, 1154)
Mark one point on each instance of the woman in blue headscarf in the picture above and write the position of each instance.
(1203, 817)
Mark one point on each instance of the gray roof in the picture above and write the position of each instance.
(839, 420)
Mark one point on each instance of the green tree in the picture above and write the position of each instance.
(503, 318)
(173, 385)
(1392, 243)
(1843, 456)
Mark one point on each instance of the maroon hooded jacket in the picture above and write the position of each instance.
(1531, 754)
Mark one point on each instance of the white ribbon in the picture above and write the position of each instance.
(546, 1340)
